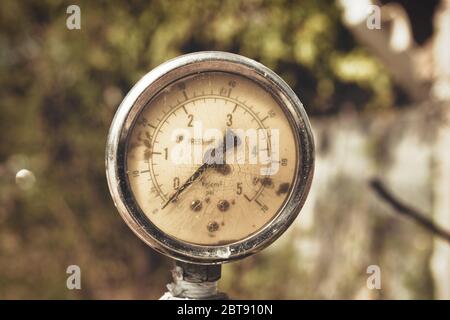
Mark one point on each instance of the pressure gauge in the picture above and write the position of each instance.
(210, 157)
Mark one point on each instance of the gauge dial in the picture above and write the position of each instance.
(227, 202)
(210, 157)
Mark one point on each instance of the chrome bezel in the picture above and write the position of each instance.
(129, 110)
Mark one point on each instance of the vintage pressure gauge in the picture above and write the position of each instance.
(210, 157)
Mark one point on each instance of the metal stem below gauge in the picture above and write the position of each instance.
(194, 282)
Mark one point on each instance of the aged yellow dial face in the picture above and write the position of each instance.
(211, 159)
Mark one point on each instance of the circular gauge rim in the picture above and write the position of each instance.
(130, 109)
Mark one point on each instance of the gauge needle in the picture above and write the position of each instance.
(209, 161)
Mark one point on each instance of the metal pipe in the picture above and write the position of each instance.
(194, 282)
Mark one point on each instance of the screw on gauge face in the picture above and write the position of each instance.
(223, 205)
(212, 226)
(196, 205)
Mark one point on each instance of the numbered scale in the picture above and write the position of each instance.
(210, 157)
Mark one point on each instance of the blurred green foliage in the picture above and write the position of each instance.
(59, 90)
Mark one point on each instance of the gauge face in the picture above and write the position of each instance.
(210, 157)
(240, 192)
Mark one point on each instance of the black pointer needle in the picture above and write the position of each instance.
(207, 163)
(188, 182)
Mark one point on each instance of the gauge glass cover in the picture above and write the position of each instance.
(210, 157)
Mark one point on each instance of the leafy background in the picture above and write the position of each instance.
(59, 90)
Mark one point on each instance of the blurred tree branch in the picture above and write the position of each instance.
(404, 209)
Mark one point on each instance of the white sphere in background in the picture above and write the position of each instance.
(25, 179)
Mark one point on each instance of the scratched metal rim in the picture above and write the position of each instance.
(129, 110)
